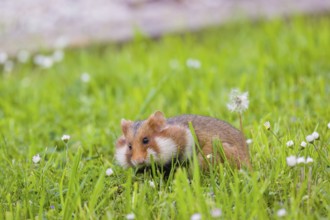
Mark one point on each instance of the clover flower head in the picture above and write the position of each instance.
(249, 141)
(209, 156)
(130, 216)
(196, 216)
(109, 172)
(238, 102)
(310, 138)
(291, 161)
(301, 160)
(267, 125)
(315, 135)
(65, 138)
(303, 144)
(281, 212)
(215, 213)
(290, 143)
(152, 184)
(36, 158)
(309, 160)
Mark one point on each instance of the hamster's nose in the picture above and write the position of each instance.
(138, 161)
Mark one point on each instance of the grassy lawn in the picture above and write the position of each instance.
(283, 64)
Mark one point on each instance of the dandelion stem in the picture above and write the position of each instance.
(240, 122)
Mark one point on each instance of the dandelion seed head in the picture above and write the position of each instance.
(291, 161)
(36, 159)
(238, 102)
(109, 172)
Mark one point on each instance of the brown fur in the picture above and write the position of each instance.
(207, 130)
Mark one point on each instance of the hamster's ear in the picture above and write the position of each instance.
(125, 125)
(157, 121)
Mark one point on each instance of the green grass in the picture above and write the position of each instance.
(283, 64)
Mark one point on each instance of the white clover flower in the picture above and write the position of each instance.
(196, 216)
(267, 125)
(309, 160)
(238, 102)
(301, 160)
(329, 125)
(315, 135)
(249, 141)
(193, 63)
(281, 212)
(36, 158)
(58, 55)
(109, 172)
(291, 161)
(152, 184)
(209, 156)
(290, 143)
(303, 144)
(85, 77)
(310, 138)
(3, 57)
(65, 138)
(23, 56)
(130, 216)
(215, 213)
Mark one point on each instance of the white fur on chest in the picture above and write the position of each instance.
(167, 149)
(121, 156)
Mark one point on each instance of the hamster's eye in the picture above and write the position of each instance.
(145, 140)
(130, 146)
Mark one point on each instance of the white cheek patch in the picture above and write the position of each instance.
(120, 156)
(188, 151)
(151, 153)
(167, 147)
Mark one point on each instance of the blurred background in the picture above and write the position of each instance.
(34, 24)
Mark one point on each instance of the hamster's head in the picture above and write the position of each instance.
(152, 138)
